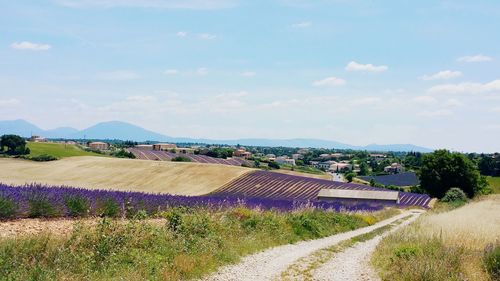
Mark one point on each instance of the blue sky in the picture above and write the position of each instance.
(360, 72)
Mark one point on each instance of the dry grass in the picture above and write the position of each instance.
(442, 246)
(121, 174)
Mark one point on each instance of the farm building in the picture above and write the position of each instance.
(359, 195)
(144, 146)
(97, 145)
(285, 160)
(185, 150)
(242, 153)
(394, 168)
(164, 146)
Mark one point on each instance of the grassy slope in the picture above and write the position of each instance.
(442, 246)
(323, 176)
(58, 150)
(494, 184)
(189, 244)
(121, 174)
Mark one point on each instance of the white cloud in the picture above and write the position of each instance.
(181, 34)
(453, 103)
(162, 4)
(466, 87)
(9, 102)
(442, 75)
(475, 58)
(354, 66)
(366, 101)
(118, 75)
(248, 74)
(425, 99)
(436, 113)
(202, 71)
(25, 45)
(171, 72)
(303, 24)
(207, 36)
(329, 81)
(141, 98)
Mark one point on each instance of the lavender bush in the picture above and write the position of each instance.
(54, 201)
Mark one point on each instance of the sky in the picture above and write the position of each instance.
(358, 72)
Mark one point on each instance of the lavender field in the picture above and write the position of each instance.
(59, 201)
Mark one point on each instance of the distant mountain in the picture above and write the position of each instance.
(127, 131)
(117, 130)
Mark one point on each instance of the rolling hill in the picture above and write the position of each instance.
(127, 131)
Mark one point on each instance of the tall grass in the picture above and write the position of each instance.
(186, 244)
(442, 246)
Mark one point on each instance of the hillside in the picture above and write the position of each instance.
(121, 174)
(58, 150)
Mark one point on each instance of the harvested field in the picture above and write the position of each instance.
(121, 174)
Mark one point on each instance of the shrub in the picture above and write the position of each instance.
(43, 158)
(109, 208)
(181, 159)
(8, 208)
(273, 165)
(406, 252)
(41, 207)
(454, 195)
(491, 261)
(77, 206)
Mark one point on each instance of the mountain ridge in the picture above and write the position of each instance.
(126, 131)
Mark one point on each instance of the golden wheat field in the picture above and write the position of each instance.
(121, 174)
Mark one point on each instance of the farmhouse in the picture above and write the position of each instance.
(37, 139)
(144, 146)
(242, 153)
(164, 146)
(340, 167)
(97, 145)
(359, 195)
(394, 168)
(285, 160)
(185, 150)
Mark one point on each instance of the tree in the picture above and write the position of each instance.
(350, 176)
(363, 169)
(16, 145)
(273, 165)
(442, 170)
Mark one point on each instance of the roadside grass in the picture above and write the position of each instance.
(303, 169)
(303, 268)
(442, 246)
(186, 244)
(494, 184)
(58, 150)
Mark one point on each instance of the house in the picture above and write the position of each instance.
(340, 167)
(242, 153)
(97, 145)
(285, 160)
(394, 168)
(37, 139)
(164, 146)
(270, 156)
(144, 146)
(297, 156)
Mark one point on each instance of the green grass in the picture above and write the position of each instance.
(303, 169)
(187, 244)
(494, 184)
(58, 150)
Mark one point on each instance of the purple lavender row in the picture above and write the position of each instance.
(53, 201)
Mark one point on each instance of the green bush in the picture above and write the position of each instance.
(40, 207)
(108, 208)
(454, 195)
(77, 206)
(491, 261)
(43, 158)
(273, 165)
(181, 159)
(8, 208)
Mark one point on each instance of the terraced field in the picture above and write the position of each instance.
(265, 184)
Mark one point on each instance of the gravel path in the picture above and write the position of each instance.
(354, 262)
(269, 264)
